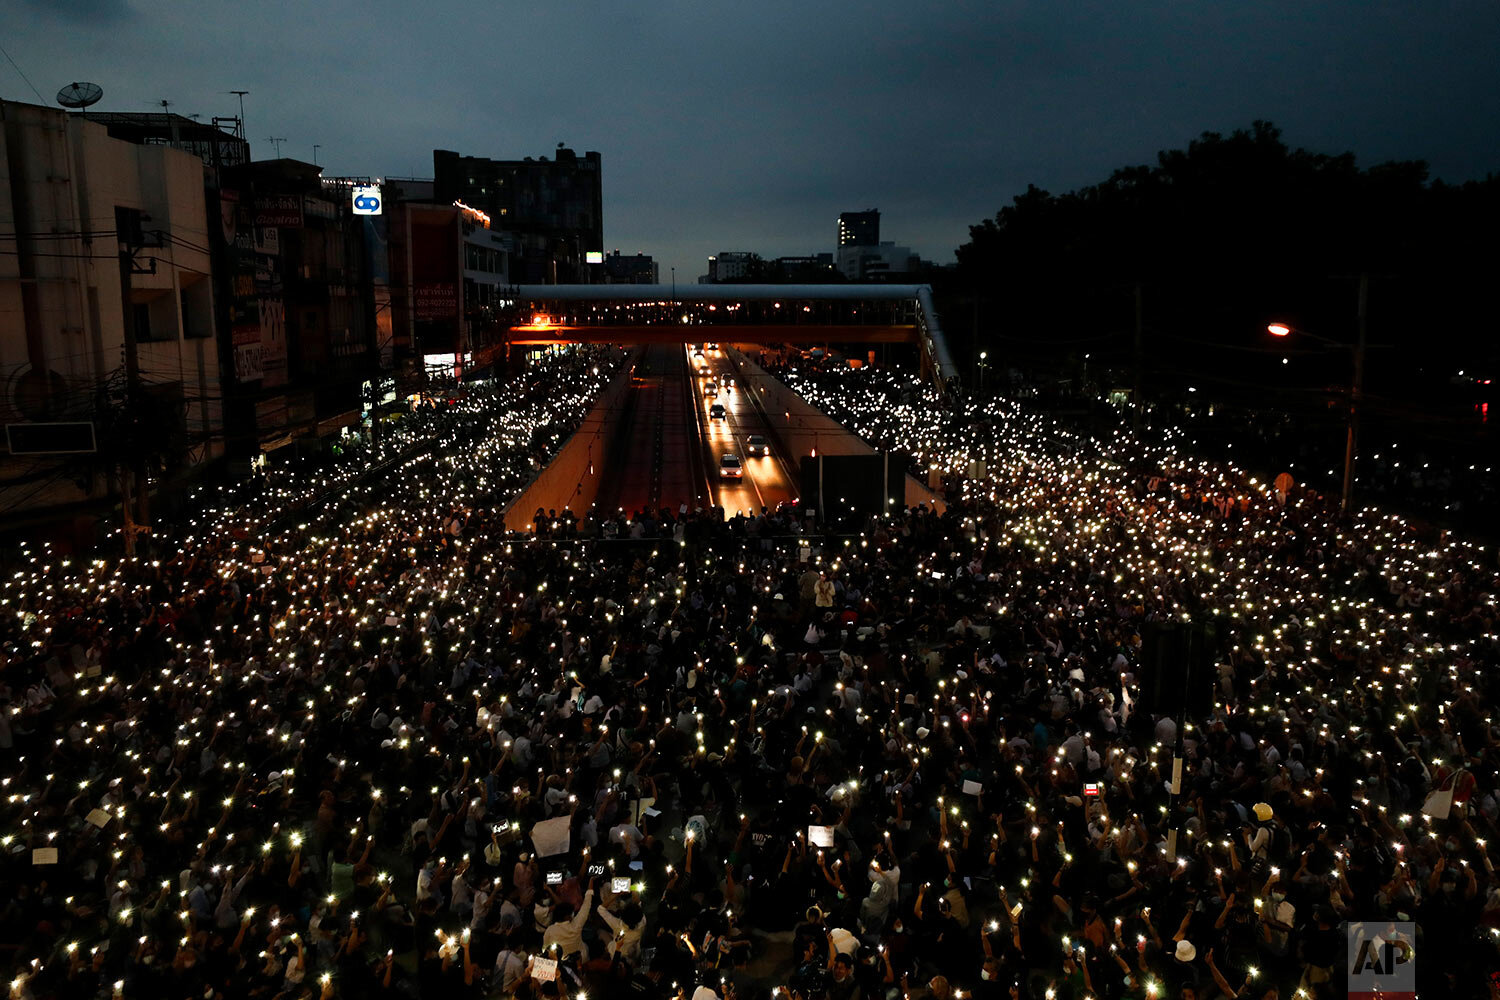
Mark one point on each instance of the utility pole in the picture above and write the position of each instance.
(166, 117)
(1135, 395)
(276, 141)
(241, 95)
(133, 485)
(1356, 391)
(974, 345)
(316, 147)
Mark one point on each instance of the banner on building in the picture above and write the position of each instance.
(283, 210)
(435, 300)
(272, 328)
(245, 338)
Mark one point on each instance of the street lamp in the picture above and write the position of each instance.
(1356, 391)
(982, 366)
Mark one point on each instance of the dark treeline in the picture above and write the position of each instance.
(1222, 237)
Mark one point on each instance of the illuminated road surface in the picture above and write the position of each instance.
(667, 453)
(766, 481)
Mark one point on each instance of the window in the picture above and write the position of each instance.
(197, 310)
(142, 312)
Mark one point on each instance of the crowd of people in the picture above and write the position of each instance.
(395, 750)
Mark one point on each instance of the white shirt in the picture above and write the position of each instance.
(568, 935)
(626, 941)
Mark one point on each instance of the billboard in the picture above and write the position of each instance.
(367, 199)
(271, 313)
(593, 257)
(846, 487)
(279, 210)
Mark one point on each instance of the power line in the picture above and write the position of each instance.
(18, 69)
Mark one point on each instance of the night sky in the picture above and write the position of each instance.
(750, 126)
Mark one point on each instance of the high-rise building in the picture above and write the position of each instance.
(553, 207)
(859, 229)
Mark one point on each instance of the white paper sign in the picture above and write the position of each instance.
(552, 836)
(543, 970)
(642, 807)
(972, 787)
(392, 620)
(98, 817)
(44, 856)
(820, 836)
(619, 886)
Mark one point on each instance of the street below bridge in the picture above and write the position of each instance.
(669, 445)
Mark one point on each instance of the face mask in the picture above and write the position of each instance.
(897, 928)
(985, 975)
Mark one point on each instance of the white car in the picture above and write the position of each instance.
(756, 444)
(730, 468)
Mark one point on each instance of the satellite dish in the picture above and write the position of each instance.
(79, 95)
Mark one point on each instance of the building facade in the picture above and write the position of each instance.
(882, 262)
(107, 318)
(301, 315)
(553, 208)
(636, 269)
(731, 265)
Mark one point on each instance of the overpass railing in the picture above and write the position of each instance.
(728, 305)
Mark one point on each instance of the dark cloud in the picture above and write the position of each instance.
(751, 126)
(84, 11)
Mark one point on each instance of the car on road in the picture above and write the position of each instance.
(730, 467)
(710, 390)
(716, 412)
(756, 444)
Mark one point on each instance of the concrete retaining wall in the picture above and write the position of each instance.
(797, 427)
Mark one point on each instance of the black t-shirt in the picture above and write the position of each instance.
(642, 987)
(1321, 946)
(848, 989)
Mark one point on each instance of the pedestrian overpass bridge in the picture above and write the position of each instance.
(797, 314)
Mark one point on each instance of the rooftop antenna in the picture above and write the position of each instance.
(241, 95)
(276, 140)
(79, 96)
(316, 147)
(167, 118)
